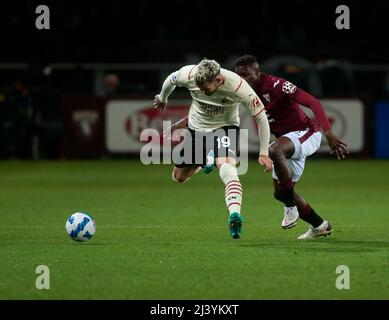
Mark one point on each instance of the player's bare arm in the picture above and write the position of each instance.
(338, 147)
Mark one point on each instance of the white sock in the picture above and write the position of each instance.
(233, 189)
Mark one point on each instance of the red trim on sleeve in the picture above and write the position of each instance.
(258, 112)
(241, 80)
(190, 72)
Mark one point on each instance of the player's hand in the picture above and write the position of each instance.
(265, 161)
(158, 104)
(338, 148)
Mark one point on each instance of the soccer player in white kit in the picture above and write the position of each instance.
(216, 95)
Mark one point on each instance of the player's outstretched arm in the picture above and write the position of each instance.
(338, 148)
(160, 100)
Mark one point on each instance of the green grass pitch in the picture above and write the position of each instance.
(159, 240)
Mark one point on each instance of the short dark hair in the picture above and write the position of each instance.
(245, 60)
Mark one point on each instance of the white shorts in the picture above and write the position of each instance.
(305, 143)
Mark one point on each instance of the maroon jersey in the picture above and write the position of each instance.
(282, 101)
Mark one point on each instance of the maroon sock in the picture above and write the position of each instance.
(309, 215)
(287, 191)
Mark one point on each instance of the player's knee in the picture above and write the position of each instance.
(228, 171)
(179, 177)
(276, 152)
(226, 160)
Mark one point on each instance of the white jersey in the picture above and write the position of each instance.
(208, 113)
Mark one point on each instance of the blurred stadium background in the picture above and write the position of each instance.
(55, 84)
(84, 90)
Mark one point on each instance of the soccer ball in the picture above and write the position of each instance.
(80, 226)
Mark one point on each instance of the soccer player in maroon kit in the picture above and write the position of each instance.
(297, 137)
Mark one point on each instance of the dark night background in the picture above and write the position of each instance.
(126, 48)
(156, 31)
